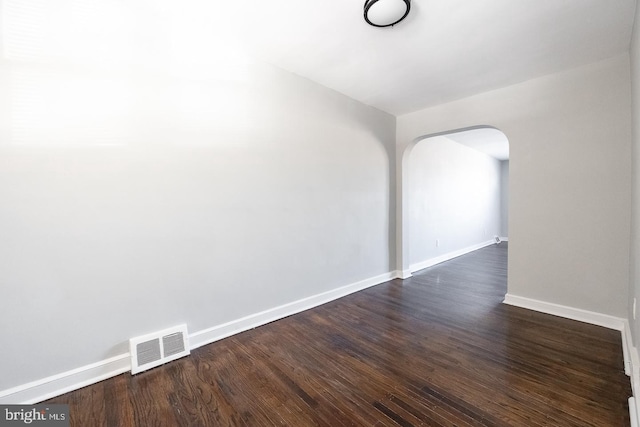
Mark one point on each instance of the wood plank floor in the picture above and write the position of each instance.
(438, 349)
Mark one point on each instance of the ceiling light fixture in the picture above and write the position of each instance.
(386, 13)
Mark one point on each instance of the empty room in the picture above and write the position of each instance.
(380, 212)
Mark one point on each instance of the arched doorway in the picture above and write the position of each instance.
(453, 195)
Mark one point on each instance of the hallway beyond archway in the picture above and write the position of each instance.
(454, 195)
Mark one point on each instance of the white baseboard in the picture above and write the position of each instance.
(627, 347)
(504, 239)
(629, 352)
(632, 369)
(449, 255)
(55, 385)
(403, 274)
(578, 314)
(219, 332)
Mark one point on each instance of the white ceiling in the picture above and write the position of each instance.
(490, 141)
(444, 50)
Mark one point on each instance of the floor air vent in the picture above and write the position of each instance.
(151, 350)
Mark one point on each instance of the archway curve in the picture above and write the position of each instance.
(403, 231)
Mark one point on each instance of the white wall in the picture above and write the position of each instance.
(504, 198)
(634, 288)
(454, 198)
(569, 208)
(145, 185)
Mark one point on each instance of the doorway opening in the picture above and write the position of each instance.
(455, 195)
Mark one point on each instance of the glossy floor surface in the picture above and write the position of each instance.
(438, 349)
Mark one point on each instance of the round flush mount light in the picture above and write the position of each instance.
(386, 13)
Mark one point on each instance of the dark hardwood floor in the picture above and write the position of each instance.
(438, 349)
